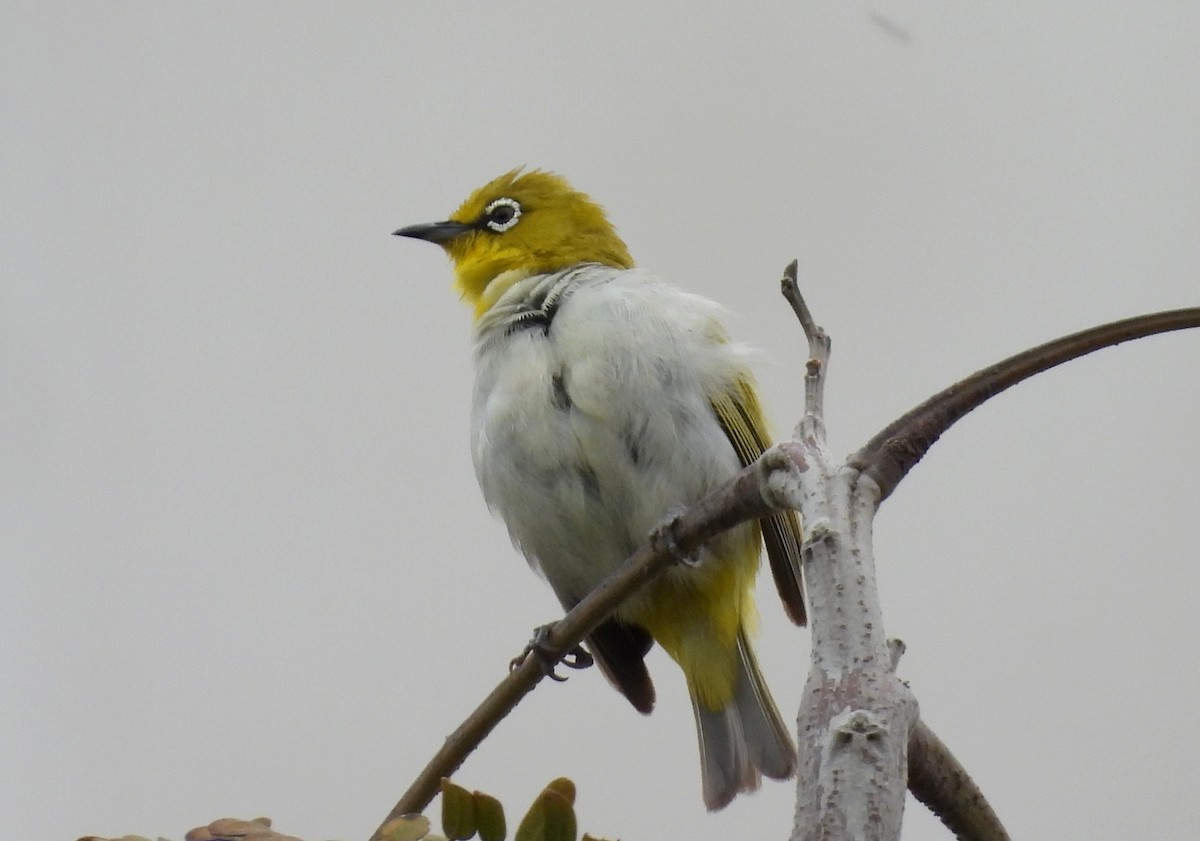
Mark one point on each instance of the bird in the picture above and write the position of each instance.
(604, 399)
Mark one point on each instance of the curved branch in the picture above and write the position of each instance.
(889, 456)
(937, 779)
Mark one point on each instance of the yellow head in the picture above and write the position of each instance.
(519, 225)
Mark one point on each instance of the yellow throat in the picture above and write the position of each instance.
(518, 225)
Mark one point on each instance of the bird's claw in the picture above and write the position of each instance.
(663, 537)
(576, 657)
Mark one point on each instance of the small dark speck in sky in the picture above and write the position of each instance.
(892, 28)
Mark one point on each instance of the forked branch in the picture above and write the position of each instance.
(862, 741)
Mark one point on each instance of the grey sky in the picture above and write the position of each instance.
(245, 567)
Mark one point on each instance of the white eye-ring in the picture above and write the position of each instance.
(502, 214)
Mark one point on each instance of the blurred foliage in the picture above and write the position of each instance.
(465, 814)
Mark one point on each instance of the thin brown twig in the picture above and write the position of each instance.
(819, 347)
(896, 449)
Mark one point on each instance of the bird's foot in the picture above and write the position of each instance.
(539, 647)
(662, 538)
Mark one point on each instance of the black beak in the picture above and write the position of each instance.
(439, 232)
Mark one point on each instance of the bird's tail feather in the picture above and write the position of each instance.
(745, 740)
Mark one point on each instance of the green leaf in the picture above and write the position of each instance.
(406, 828)
(565, 787)
(458, 812)
(550, 818)
(489, 817)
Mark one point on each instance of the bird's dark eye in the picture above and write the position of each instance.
(502, 214)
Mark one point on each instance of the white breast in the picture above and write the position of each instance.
(591, 415)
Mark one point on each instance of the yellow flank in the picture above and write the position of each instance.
(560, 227)
(696, 618)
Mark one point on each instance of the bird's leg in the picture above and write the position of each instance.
(539, 646)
